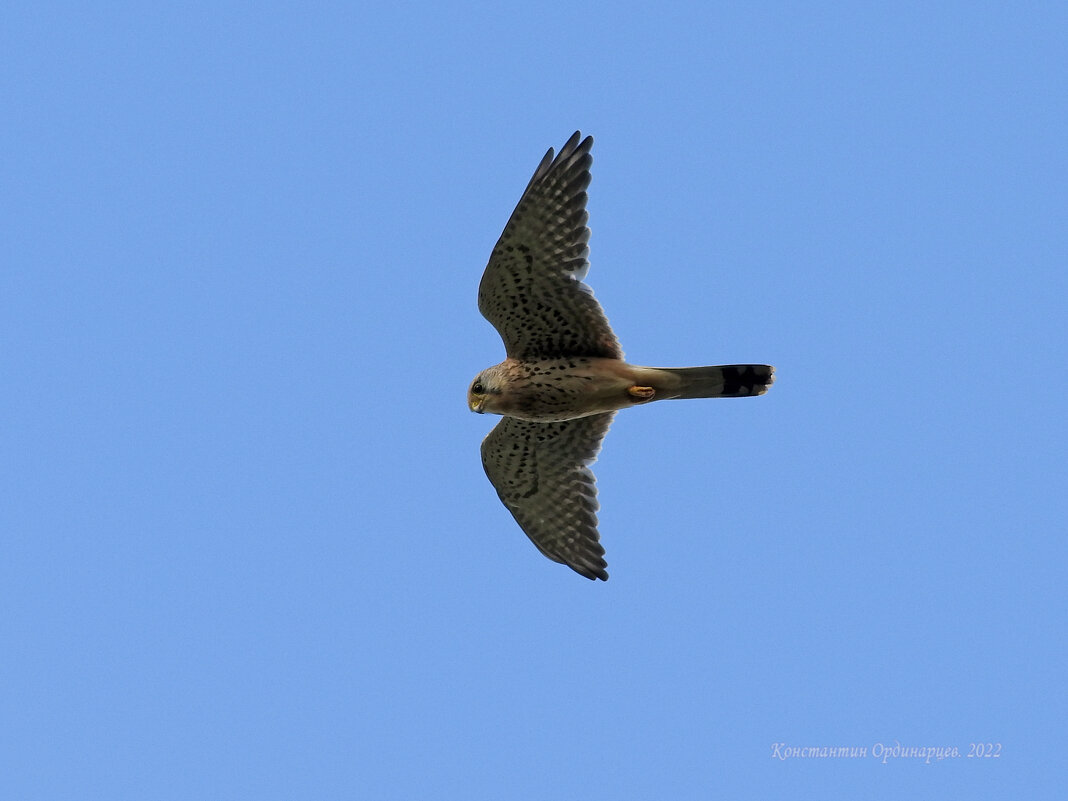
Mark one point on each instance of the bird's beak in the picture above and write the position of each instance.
(476, 404)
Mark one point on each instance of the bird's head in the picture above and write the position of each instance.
(484, 394)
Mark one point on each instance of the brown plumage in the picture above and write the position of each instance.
(564, 377)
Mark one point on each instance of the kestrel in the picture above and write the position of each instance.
(564, 377)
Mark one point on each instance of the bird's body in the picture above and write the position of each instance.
(565, 376)
(555, 390)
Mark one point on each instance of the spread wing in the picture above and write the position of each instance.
(541, 473)
(532, 289)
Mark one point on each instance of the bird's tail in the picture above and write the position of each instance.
(724, 381)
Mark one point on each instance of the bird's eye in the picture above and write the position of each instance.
(477, 388)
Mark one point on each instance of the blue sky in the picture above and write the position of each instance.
(246, 546)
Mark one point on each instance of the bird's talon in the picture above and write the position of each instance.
(641, 393)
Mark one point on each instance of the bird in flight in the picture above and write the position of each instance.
(564, 378)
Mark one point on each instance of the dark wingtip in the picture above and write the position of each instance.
(592, 573)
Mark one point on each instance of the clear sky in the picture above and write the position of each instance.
(247, 550)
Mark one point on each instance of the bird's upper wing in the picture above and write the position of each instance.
(541, 473)
(532, 289)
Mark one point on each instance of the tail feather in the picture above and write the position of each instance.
(723, 381)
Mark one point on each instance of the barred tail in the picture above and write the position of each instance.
(724, 381)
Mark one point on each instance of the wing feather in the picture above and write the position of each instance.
(541, 473)
(532, 290)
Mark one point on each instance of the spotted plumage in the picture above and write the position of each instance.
(564, 377)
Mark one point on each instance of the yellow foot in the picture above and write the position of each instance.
(641, 393)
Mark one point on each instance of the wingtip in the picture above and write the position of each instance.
(576, 144)
(591, 573)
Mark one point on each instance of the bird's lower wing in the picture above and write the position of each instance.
(541, 473)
